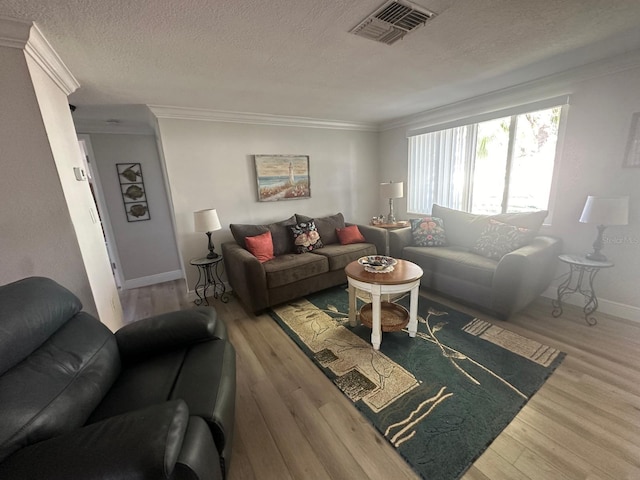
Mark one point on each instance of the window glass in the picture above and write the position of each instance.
(500, 165)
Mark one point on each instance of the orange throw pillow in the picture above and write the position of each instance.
(350, 234)
(261, 246)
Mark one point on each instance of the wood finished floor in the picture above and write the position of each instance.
(292, 423)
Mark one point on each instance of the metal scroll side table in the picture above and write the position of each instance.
(581, 269)
(209, 277)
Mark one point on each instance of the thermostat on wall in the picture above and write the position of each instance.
(79, 173)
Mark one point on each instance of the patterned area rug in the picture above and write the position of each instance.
(439, 398)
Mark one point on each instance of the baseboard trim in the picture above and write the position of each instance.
(152, 279)
(628, 312)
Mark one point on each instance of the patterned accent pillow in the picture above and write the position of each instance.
(498, 239)
(428, 232)
(306, 237)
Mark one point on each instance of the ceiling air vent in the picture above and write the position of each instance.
(392, 21)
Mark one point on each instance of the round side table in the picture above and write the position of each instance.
(209, 277)
(405, 277)
(581, 268)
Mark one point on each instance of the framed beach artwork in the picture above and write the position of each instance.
(282, 177)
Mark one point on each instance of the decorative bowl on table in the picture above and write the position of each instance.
(377, 263)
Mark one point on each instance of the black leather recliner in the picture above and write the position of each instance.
(154, 401)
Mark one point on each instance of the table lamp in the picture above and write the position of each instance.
(207, 221)
(391, 190)
(604, 211)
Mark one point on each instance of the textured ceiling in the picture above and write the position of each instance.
(296, 57)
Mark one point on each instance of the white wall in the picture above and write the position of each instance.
(147, 249)
(210, 165)
(46, 223)
(595, 139)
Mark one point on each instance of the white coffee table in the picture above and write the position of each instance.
(405, 277)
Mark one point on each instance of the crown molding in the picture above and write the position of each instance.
(552, 85)
(185, 113)
(15, 33)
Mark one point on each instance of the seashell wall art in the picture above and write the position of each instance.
(134, 194)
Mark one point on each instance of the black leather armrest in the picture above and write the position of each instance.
(143, 444)
(169, 331)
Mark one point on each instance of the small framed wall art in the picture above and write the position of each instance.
(134, 195)
(282, 177)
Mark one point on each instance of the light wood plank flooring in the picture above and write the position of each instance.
(291, 422)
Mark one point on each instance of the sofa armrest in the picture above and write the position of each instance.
(376, 235)
(143, 444)
(246, 276)
(522, 275)
(398, 239)
(169, 331)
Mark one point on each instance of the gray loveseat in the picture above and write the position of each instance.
(292, 275)
(502, 285)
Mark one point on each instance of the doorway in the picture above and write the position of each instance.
(96, 190)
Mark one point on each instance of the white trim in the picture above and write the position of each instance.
(628, 312)
(41, 51)
(184, 113)
(483, 116)
(25, 35)
(153, 279)
(14, 33)
(101, 204)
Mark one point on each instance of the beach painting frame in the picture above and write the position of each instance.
(282, 177)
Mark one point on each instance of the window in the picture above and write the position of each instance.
(501, 164)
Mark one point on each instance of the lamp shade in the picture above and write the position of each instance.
(206, 220)
(606, 210)
(392, 190)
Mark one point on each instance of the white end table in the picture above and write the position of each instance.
(405, 277)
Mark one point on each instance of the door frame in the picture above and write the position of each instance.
(93, 177)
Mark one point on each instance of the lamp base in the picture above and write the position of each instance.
(596, 257)
(211, 254)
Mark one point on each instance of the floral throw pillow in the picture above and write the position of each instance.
(428, 232)
(498, 239)
(306, 237)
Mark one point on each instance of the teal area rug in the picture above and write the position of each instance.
(440, 398)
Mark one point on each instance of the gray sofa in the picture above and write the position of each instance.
(502, 285)
(292, 275)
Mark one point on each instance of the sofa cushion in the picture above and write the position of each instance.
(349, 235)
(453, 261)
(306, 237)
(531, 220)
(261, 246)
(290, 268)
(498, 239)
(340, 256)
(463, 228)
(428, 232)
(280, 235)
(326, 226)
